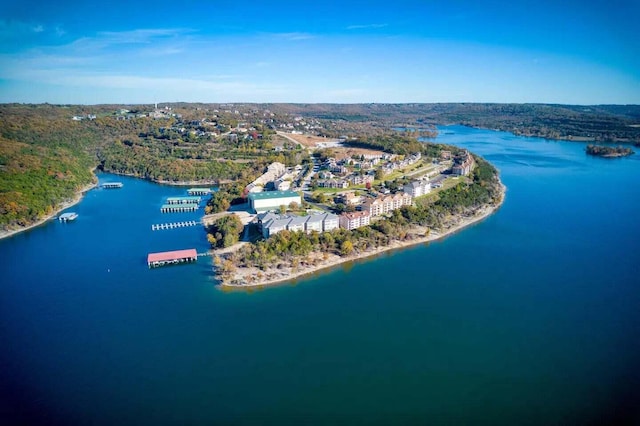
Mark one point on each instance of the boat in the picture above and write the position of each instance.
(67, 217)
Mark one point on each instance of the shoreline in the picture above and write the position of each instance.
(76, 199)
(283, 277)
(212, 182)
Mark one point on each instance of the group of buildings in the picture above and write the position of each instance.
(274, 172)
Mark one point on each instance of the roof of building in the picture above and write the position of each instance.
(190, 198)
(171, 255)
(184, 206)
(355, 215)
(268, 195)
(315, 218)
(297, 220)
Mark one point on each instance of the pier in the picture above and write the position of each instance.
(199, 191)
(183, 200)
(171, 257)
(112, 185)
(174, 225)
(175, 208)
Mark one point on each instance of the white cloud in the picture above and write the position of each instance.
(366, 26)
(293, 36)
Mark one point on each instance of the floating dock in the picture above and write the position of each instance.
(174, 225)
(111, 185)
(175, 208)
(183, 200)
(199, 191)
(171, 257)
(67, 217)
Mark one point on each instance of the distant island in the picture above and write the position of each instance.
(608, 151)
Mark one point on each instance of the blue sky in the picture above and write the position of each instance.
(584, 52)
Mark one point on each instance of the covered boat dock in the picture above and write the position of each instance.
(171, 257)
(183, 200)
(173, 208)
(199, 191)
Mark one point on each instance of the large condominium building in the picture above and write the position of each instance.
(270, 223)
(417, 188)
(355, 219)
(383, 205)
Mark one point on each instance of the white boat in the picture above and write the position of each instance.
(67, 217)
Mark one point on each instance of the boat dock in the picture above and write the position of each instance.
(111, 185)
(67, 217)
(171, 257)
(199, 191)
(174, 225)
(183, 200)
(175, 208)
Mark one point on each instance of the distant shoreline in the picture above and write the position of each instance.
(76, 199)
(285, 275)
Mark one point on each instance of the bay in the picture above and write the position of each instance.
(529, 317)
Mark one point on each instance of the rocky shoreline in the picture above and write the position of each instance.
(245, 278)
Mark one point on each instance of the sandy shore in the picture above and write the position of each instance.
(253, 277)
(65, 205)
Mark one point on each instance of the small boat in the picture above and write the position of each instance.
(67, 217)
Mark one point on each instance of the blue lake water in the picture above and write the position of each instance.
(530, 317)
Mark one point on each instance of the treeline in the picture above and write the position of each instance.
(225, 231)
(34, 180)
(294, 248)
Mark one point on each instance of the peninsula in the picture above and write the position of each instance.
(405, 201)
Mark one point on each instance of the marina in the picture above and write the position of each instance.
(177, 208)
(174, 225)
(68, 217)
(112, 185)
(171, 257)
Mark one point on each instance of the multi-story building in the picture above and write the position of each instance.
(417, 188)
(271, 223)
(355, 219)
(383, 205)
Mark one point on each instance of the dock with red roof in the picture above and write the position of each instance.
(171, 257)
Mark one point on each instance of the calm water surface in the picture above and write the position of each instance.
(530, 317)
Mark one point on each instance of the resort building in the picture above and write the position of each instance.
(463, 164)
(271, 223)
(354, 220)
(272, 200)
(383, 205)
(417, 188)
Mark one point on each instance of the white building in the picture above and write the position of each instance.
(271, 223)
(417, 188)
(272, 200)
(355, 219)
